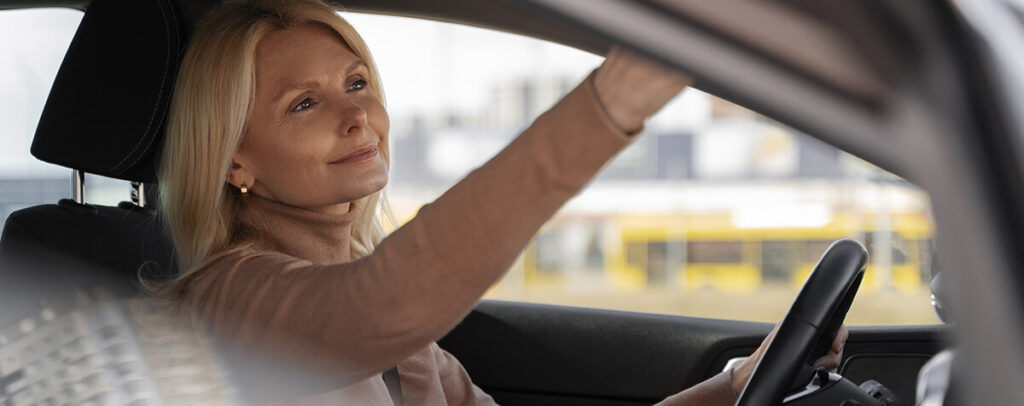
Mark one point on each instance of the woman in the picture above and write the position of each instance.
(275, 157)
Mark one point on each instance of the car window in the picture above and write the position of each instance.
(715, 211)
(32, 46)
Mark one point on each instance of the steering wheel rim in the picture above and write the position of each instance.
(810, 325)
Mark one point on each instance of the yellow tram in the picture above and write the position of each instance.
(710, 251)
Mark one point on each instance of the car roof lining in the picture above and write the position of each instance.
(497, 15)
(848, 97)
(824, 52)
(793, 39)
(827, 54)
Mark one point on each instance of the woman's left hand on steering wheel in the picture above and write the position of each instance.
(741, 373)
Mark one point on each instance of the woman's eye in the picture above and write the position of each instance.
(303, 105)
(358, 85)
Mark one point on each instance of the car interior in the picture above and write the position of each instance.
(852, 72)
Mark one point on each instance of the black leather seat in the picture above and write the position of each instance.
(105, 115)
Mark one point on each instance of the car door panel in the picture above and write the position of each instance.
(535, 354)
(891, 355)
(531, 348)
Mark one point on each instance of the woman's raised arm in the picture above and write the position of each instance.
(359, 318)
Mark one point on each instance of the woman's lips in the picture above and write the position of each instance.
(359, 155)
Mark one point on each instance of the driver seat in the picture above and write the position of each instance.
(104, 115)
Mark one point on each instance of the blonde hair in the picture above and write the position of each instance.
(212, 103)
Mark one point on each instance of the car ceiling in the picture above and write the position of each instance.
(846, 57)
(499, 15)
(860, 63)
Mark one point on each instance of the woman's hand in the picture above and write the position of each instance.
(829, 361)
(632, 88)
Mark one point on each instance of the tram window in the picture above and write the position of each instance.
(814, 249)
(549, 253)
(780, 259)
(676, 253)
(878, 241)
(657, 264)
(664, 258)
(593, 258)
(726, 252)
(899, 250)
(636, 254)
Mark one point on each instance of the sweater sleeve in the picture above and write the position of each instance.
(459, 389)
(358, 318)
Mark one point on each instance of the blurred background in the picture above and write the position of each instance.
(715, 211)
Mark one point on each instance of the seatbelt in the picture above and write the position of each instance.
(394, 385)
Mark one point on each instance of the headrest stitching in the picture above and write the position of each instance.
(147, 138)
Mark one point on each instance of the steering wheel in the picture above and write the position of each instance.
(807, 331)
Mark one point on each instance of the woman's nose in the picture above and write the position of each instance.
(353, 119)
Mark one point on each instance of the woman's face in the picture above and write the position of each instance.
(317, 137)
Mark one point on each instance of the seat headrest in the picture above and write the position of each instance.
(106, 110)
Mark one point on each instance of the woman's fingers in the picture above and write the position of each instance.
(831, 360)
(633, 88)
(840, 341)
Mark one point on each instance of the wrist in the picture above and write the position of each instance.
(739, 375)
(627, 123)
(630, 124)
(732, 382)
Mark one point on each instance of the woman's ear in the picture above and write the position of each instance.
(239, 174)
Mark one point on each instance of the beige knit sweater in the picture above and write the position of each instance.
(298, 302)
